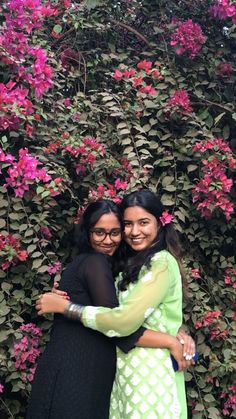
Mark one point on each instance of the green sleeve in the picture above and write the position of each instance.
(149, 291)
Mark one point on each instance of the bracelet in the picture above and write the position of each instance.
(73, 311)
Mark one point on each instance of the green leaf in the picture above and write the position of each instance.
(219, 117)
(4, 335)
(209, 398)
(199, 407)
(57, 28)
(91, 4)
(2, 223)
(192, 167)
(37, 263)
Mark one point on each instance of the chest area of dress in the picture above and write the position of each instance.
(153, 315)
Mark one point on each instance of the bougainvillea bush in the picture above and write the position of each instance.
(98, 98)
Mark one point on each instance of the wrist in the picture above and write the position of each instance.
(73, 311)
(172, 341)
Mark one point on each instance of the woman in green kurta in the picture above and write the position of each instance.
(150, 294)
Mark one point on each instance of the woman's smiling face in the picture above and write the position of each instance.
(141, 228)
(106, 235)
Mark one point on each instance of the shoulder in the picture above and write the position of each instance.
(164, 257)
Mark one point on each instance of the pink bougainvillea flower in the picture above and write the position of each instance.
(195, 273)
(148, 89)
(1, 388)
(137, 81)
(22, 255)
(54, 268)
(213, 188)
(198, 324)
(145, 65)
(188, 38)
(118, 75)
(129, 73)
(209, 317)
(76, 116)
(67, 102)
(46, 232)
(121, 185)
(179, 103)
(222, 9)
(166, 218)
(224, 70)
(26, 351)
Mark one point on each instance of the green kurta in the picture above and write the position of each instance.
(146, 386)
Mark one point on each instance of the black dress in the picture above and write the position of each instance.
(75, 373)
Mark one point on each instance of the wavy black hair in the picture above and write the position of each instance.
(167, 238)
(91, 215)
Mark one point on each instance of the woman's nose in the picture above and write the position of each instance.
(135, 230)
(107, 239)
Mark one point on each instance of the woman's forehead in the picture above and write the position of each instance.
(136, 213)
(109, 220)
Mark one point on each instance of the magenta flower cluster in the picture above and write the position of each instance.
(54, 268)
(13, 105)
(26, 351)
(85, 154)
(230, 277)
(223, 9)
(10, 251)
(213, 189)
(22, 173)
(179, 103)
(143, 79)
(28, 63)
(212, 320)
(230, 400)
(109, 191)
(188, 38)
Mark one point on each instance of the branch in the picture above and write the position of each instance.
(203, 101)
(62, 36)
(129, 29)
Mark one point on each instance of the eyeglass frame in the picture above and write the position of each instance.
(107, 233)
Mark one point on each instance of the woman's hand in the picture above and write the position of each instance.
(189, 347)
(176, 349)
(51, 303)
(55, 290)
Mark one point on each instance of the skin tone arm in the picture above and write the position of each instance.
(57, 303)
(149, 338)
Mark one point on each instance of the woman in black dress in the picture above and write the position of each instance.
(75, 373)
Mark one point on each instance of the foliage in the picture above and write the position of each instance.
(99, 98)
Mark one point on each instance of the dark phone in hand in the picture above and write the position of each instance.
(175, 363)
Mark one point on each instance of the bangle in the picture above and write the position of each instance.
(73, 311)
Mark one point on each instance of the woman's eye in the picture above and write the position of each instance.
(99, 232)
(115, 233)
(143, 223)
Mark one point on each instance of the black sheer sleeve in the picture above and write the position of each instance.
(99, 282)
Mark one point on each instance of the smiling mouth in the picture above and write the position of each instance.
(108, 248)
(137, 240)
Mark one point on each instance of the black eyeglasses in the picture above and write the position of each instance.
(99, 234)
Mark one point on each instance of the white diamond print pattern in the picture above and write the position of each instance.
(145, 386)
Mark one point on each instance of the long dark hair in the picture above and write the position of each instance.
(91, 215)
(167, 237)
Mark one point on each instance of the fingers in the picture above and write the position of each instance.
(62, 294)
(188, 348)
(188, 345)
(184, 364)
(55, 290)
